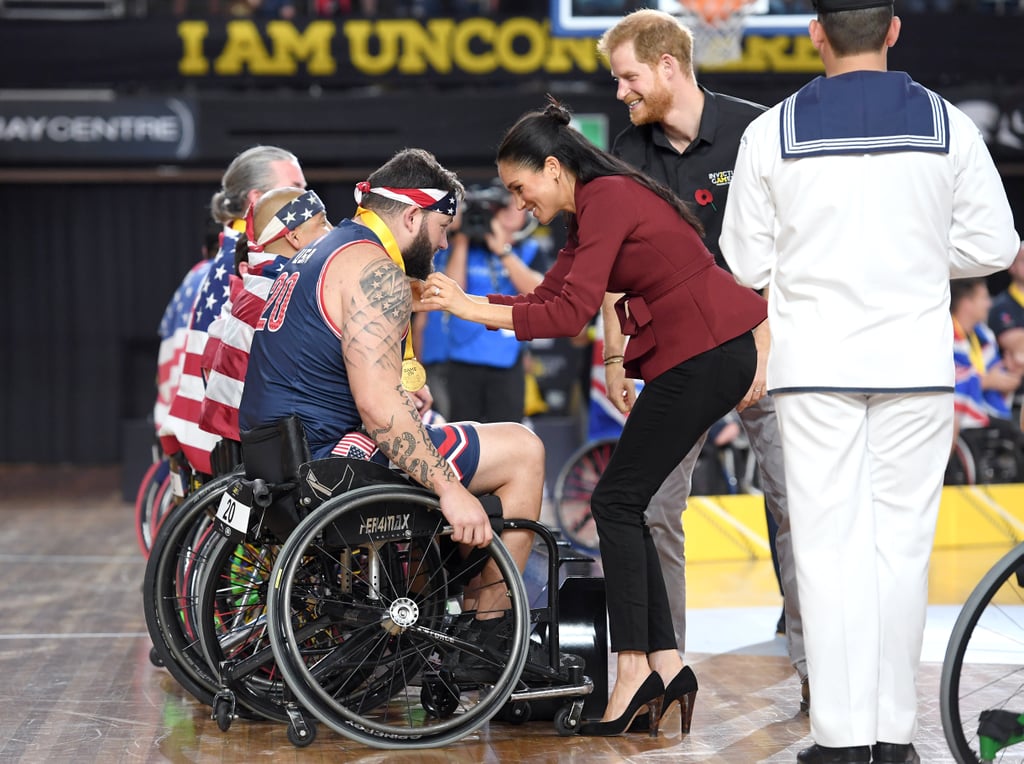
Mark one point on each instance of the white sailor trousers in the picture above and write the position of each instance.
(864, 475)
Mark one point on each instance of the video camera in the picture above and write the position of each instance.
(482, 203)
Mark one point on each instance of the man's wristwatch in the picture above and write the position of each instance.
(506, 251)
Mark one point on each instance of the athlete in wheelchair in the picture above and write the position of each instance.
(391, 586)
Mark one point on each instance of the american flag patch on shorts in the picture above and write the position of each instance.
(355, 445)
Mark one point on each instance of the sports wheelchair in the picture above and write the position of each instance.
(330, 590)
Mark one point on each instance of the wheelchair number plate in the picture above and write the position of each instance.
(177, 486)
(233, 513)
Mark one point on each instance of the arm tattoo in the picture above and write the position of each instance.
(379, 315)
(411, 449)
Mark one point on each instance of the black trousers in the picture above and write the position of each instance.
(484, 394)
(671, 413)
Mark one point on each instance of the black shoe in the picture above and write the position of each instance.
(819, 754)
(805, 695)
(648, 694)
(491, 635)
(538, 668)
(494, 636)
(894, 753)
(683, 690)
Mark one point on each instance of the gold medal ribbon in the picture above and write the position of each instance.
(414, 376)
(1016, 294)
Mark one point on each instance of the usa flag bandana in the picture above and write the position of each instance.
(433, 199)
(288, 218)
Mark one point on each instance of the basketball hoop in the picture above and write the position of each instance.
(717, 27)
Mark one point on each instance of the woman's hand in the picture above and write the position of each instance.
(759, 387)
(418, 306)
(620, 390)
(439, 292)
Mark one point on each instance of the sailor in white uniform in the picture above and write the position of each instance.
(855, 201)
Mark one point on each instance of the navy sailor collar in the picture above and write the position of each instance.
(863, 112)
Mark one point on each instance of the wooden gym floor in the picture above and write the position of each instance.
(77, 685)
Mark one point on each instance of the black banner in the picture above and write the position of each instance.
(86, 130)
(169, 53)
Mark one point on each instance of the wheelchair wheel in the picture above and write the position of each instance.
(573, 489)
(363, 625)
(984, 664)
(961, 469)
(170, 588)
(232, 624)
(147, 497)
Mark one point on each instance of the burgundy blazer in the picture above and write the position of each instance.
(625, 238)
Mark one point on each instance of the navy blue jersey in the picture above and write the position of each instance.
(295, 363)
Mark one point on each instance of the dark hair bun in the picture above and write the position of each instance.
(554, 110)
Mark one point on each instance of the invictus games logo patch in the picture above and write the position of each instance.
(720, 178)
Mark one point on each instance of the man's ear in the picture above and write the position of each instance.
(894, 32)
(410, 218)
(667, 64)
(817, 34)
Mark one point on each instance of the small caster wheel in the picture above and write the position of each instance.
(302, 735)
(154, 658)
(516, 713)
(222, 713)
(439, 699)
(565, 725)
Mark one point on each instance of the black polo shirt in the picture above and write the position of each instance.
(702, 173)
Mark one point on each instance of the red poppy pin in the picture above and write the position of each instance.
(704, 198)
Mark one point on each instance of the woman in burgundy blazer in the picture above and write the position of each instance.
(634, 249)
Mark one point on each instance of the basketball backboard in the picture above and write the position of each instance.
(590, 18)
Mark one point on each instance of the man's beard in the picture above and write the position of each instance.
(654, 107)
(419, 255)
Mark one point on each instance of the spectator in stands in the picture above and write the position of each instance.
(984, 384)
(280, 224)
(1006, 318)
(250, 175)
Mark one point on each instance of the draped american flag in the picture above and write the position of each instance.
(181, 430)
(173, 331)
(227, 351)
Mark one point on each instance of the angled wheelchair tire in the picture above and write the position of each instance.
(364, 622)
(982, 667)
(170, 588)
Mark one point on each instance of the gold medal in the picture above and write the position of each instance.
(414, 376)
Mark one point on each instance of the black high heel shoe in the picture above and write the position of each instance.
(682, 690)
(649, 694)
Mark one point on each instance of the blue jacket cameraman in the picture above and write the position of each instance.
(491, 254)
